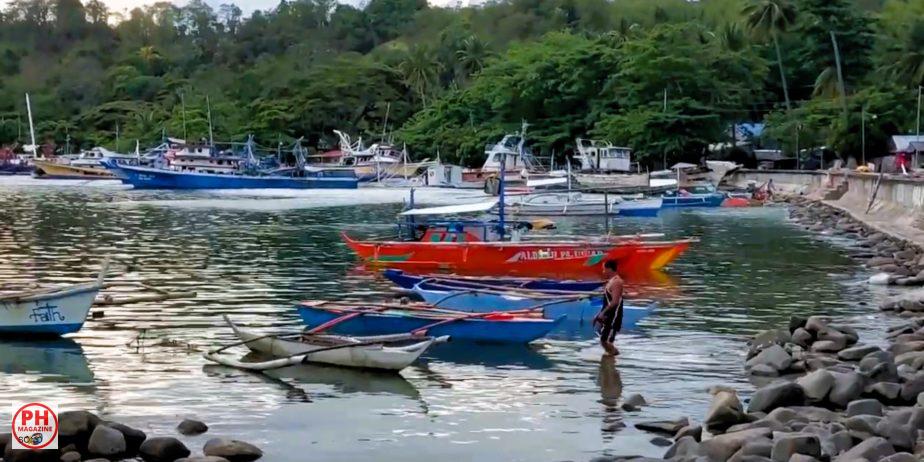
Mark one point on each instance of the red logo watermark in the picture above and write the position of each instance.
(35, 425)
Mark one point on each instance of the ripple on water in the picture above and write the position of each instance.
(252, 255)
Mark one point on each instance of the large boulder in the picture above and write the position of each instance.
(75, 427)
(233, 450)
(724, 411)
(871, 449)
(904, 347)
(848, 386)
(857, 353)
(721, 447)
(785, 445)
(777, 394)
(162, 449)
(774, 356)
(901, 427)
(864, 407)
(816, 385)
(133, 437)
(106, 442)
(912, 388)
(683, 447)
(884, 391)
(802, 337)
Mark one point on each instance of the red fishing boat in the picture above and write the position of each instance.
(554, 259)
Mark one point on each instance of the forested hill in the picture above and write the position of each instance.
(665, 77)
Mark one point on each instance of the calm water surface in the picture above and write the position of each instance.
(251, 256)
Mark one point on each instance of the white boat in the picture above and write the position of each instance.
(369, 352)
(575, 203)
(54, 311)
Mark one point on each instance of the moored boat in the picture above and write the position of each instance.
(54, 311)
(455, 281)
(391, 352)
(694, 196)
(398, 319)
(574, 307)
(156, 178)
(577, 204)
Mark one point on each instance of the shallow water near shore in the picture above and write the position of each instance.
(251, 255)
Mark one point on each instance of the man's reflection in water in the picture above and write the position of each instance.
(610, 391)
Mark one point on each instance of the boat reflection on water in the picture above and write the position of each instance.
(343, 380)
(501, 354)
(59, 360)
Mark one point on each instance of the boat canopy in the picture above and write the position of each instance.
(453, 209)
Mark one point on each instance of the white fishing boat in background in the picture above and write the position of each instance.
(576, 204)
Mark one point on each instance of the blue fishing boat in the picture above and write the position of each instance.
(156, 178)
(184, 166)
(444, 281)
(693, 196)
(54, 311)
(574, 308)
(397, 319)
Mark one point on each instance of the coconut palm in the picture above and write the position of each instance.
(420, 69)
(907, 60)
(826, 84)
(768, 19)
(472, 55)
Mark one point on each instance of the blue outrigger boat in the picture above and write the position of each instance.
(372, 319)
(442, 282)
(553, 305)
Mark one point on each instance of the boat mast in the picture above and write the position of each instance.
(183, 110)
(208, 108)
(31, 127)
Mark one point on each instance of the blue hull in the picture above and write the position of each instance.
(48, 329)
(475, 330)
(572, 310)
(639, 212)
(408, 281)
(693, 200)
(153, 178)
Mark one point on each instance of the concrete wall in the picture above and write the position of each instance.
(898, 209)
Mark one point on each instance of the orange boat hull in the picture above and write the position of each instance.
(525, 259)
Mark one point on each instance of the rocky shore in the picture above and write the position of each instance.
(895, 261)
(83, 436)
(824, 395)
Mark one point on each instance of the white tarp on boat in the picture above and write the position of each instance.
(546, 182)
(453, 209)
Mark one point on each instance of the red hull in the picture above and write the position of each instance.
(521, 258)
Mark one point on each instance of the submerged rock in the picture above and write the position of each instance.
(234, 450)
(190, 427)
(669, 427)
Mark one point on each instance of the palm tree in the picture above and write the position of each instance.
(826, 84)
(420, 69)
(732, 38)
(472, 55)
(769, 19)
(907, 60)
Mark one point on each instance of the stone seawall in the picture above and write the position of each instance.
(898, 208)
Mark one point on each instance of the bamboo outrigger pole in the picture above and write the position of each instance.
(31, 127)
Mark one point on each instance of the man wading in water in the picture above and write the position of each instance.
(609, 320)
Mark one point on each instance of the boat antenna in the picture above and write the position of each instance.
(208, 108)
(404, 158)
(31, 127)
